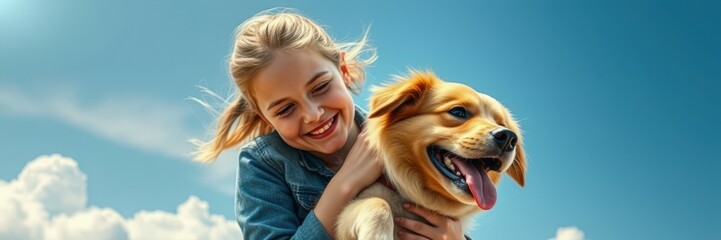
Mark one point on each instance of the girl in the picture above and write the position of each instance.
(305, 154)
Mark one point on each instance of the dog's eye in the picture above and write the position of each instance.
(459, 112)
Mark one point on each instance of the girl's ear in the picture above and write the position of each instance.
(343, 67)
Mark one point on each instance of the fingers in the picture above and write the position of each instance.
(440, 227)
(405, 235)
(421, 228)
(430, 216)
(368, 152)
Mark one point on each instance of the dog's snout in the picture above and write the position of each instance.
(506, 139)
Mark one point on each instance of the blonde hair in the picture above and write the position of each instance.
(256, 41)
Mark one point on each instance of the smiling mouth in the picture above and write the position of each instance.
(468, 174)
(325, 129)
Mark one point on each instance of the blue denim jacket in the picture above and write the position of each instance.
(278, 187)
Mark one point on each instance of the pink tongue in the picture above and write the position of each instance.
(479, 183)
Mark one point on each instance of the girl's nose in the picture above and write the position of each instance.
(313, 114)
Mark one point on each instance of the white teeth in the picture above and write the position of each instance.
(449, 163)
(458, 173)
(324, 128)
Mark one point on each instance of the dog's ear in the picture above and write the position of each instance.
(517, 171)
(403, 97)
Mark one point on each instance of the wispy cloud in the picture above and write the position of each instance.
(569, 233)
(31, 210)
(143, 123)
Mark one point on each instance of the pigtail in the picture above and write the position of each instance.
(238, 123)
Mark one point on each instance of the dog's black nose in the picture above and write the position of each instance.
(506, 139)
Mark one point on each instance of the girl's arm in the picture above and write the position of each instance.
(361, 168)
(265, 208)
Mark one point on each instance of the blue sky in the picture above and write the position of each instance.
(618, 100)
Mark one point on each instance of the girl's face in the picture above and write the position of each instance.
(304, 97)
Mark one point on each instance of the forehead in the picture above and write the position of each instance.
(455, 93)
(288, 70)
(288, 65)
(459, 94)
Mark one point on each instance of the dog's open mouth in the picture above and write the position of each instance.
(469, 175)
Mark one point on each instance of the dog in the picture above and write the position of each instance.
(444, 147)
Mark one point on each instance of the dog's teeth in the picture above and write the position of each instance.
(448, 162)
(453, 168)
(458, 173)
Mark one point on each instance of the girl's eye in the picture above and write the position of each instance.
(285, 110)
(321, 88)
(459, 112)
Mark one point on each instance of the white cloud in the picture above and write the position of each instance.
(92, 223)
(55, 182)
(47, 185)
(27, 211)
(21, 217)
(569, 233)
(191, 222)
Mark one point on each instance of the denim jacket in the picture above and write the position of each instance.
(278, 187)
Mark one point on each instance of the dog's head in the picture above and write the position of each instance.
(444, 144)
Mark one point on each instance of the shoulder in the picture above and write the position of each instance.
(270, 143)
(267, 150)
(264, 149)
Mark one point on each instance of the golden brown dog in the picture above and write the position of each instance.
(444, 146)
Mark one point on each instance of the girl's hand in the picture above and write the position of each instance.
(360, 169)
(441, 227)
(362, 166)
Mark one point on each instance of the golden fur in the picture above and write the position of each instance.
(406, 118)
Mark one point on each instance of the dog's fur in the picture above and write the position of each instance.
(406, 118)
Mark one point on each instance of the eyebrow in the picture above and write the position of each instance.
(312, 80)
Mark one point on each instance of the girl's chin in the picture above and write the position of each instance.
(332, 146)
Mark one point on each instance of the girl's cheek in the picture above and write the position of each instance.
(290, 127)
(338, 95)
